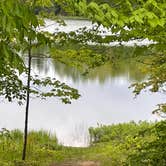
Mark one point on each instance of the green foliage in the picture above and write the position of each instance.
(56, 89)
(42, 139)
(151, 152)
(19, 26)
(117, 132)
(155, 66)
(12, 16)
(38, 142)
(84, 59)
(131, 143)
(12, 87)
(10, 61)
(132, 19)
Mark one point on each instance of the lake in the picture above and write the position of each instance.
(105, 99)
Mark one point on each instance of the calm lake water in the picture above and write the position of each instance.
(105, 99)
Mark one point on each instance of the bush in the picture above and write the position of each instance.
(151, 152)
(117, 132)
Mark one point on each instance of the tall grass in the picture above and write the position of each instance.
(40, 145)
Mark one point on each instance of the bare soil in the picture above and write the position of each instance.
(80, 163)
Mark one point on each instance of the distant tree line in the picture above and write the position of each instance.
(57, 9)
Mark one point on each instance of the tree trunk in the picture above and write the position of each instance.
(27, 104)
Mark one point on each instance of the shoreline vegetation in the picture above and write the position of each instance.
(129, 143)
(72, 17)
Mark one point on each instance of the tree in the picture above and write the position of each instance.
(19, 34)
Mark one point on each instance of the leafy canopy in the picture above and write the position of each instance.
(129, 20)
(19, 33)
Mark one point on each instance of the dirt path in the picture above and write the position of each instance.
(81, 163)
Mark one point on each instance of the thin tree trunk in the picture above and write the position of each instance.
(27, 104)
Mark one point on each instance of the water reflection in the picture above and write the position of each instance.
(125, 67)
(105, 99)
